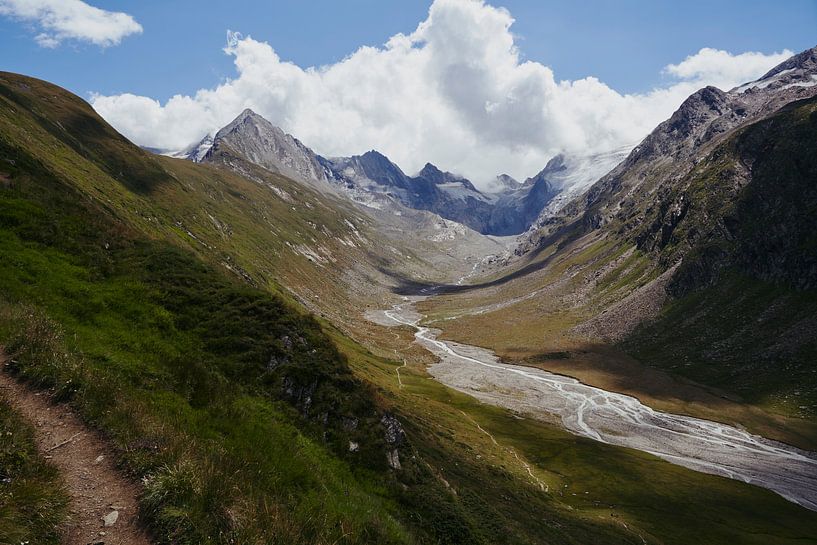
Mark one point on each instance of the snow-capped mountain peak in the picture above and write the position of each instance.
(503, 183)
(194, 152)
(375, 181)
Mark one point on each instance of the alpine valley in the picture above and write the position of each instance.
(274, 346)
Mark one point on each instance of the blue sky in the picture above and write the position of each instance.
(477, 87)
(623, 43)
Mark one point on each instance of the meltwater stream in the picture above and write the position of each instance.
(615, 418)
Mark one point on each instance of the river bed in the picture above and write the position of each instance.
(613, 418)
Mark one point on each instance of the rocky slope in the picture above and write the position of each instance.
(503, 182)
(264, 144)
(572, 174)
(516, 208)
(194, 152)
(660, 164)
(742, 312)
(373, 179)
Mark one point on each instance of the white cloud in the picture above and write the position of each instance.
(723, 69)
(454, 92)
(61, 20)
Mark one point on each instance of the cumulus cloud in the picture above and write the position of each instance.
(60, 20)
(453, 92)
(723, 69)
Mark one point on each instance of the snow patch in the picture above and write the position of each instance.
(761, 83)
(810, 83)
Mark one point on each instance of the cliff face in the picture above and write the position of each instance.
(751, 205)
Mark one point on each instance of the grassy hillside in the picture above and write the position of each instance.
(231, 404)
(272, 232)
(155, 304)
(745, 319)
(748, 204)
(200, 379)
(751, 339)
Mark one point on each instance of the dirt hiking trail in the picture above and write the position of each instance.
(86, 463)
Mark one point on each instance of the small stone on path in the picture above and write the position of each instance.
(111, 518)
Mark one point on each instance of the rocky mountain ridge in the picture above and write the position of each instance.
(661, 196)
(703, 120)
(373, 180)
(194, 152)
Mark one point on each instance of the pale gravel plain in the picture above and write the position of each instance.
(614, 418)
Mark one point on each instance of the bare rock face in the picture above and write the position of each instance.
(394, 436)
(504, 182)
(393, 430)
(568, 176)
(373, 175)
(703, 120)
(264, 144)
(195, 152)
(518, 207)
(393, 458)
(299, 394)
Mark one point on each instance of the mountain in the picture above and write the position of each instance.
(371, 178)
(197, 153)
(660, 163)
(372, 166)
(694, 255)
(740, 231)
(194, 152)
(571, 174)
(703, 120)
(797, 71)
(503, 183)
(264, 144)
(515, 208)
(520, 207)
(214, 321)
(375, 181)
(450, 196)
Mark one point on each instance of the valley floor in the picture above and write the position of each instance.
(652, 500)
(614, 418)
(621, 402)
